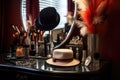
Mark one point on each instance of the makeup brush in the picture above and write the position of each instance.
(17, 29)
(13, 27)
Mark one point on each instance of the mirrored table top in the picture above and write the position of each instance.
(40, 64)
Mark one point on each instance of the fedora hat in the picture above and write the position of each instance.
(48, 19)
(62, 58)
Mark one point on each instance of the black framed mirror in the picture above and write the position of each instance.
(38, 7)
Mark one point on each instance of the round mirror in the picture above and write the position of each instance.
(31, 8)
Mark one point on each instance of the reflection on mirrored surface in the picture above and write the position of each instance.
(40, 64)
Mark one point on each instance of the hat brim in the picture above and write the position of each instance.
(47, 26)
(74, 62)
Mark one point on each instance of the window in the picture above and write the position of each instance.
(23, 13)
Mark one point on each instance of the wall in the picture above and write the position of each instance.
(110, 39)
(2, 7)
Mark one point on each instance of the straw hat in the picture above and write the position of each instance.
(63, 57)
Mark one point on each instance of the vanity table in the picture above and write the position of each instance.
(38, 69)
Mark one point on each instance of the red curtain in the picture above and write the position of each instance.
(70, 6)
(32, 9)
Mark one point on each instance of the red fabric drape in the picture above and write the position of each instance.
(70, 6)
(32, 9)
